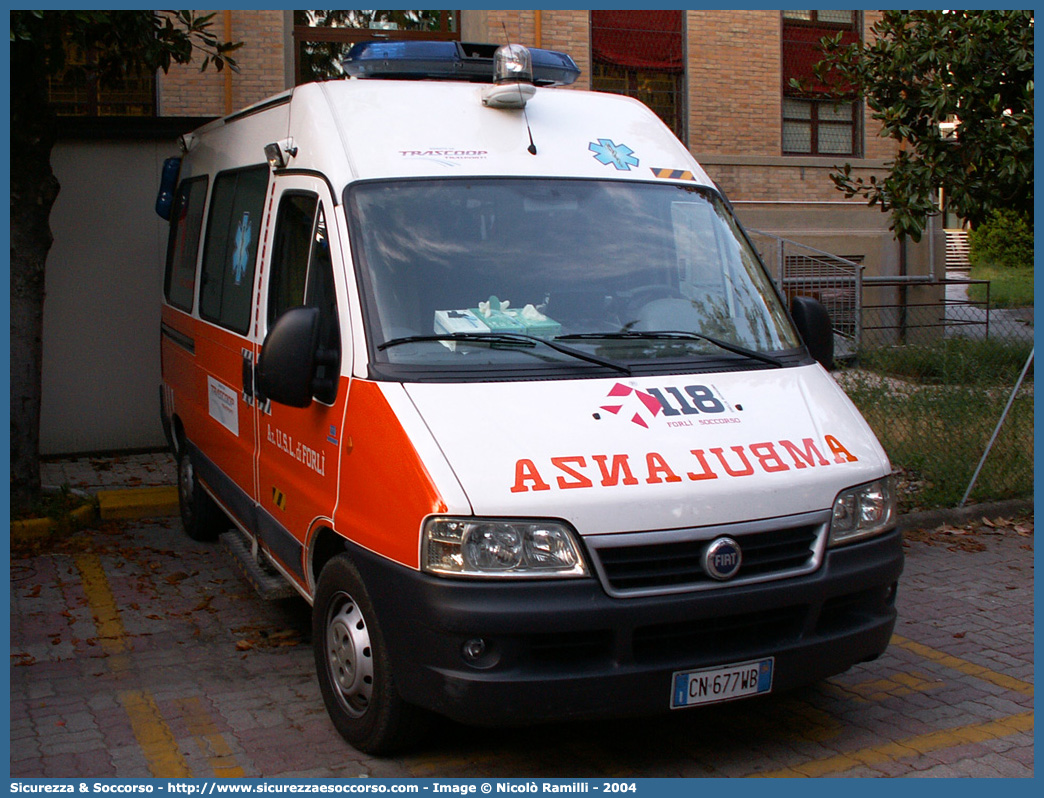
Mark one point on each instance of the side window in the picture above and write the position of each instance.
(302, 274)
(227, 279)
(321, 293)
(186, 222)
(293, 242)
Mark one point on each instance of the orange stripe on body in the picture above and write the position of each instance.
(385, 489)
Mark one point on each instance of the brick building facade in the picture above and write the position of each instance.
(733, 80)
(105, 269)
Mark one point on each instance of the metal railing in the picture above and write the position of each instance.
(923, 311)
(834, 281)
(869, 310)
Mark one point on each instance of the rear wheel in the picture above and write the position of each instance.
(202, 518)
(355, 674)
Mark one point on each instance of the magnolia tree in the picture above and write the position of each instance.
(921, 71)
(119, 43)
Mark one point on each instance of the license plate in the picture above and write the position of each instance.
(724, 683)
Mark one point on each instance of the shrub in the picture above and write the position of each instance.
(1005, 240)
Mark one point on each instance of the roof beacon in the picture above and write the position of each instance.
(439, 60)
(512, 78)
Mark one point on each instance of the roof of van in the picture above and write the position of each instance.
(368, 129)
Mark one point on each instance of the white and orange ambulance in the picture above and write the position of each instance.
(487, 371)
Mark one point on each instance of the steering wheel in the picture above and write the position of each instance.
(642, 296)
(670, 313)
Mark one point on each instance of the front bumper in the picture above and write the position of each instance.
(564, 649)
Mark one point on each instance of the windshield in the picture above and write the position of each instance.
(600, 268)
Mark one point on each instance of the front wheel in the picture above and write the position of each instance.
(355, 675)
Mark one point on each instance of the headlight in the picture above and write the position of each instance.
(498, 548)
(863, 511)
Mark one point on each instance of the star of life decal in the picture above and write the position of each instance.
(609, 153)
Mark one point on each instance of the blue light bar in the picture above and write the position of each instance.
(436, 60)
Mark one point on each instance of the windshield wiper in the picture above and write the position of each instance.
(508, 339)
(676, 335)
(483, 338)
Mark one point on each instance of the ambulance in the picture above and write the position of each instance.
(486, 370)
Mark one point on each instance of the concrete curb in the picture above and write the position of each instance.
(127, 503)
(39, 528)
(108, 505)
(963, 515)
(163, 501)
(156, 502)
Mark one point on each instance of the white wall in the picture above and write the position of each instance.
(101, 368)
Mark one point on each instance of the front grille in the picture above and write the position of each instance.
(664, 564)
(720, 637)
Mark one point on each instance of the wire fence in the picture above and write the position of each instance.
(933, 366)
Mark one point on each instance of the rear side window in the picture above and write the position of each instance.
(186, 222)
(230, 253)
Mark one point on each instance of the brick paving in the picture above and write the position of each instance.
(136, 651)
(102, 472)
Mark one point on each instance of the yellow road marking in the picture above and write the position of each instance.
(157, 742)
(107, 621)
(816, 726)
(963, 666)
(211, 742)
(162, 754)
(426, 765)
(899, 684)
(911, 746)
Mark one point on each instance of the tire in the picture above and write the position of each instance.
(355, 674)
(202, 519)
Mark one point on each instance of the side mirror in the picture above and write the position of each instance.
(813, 323)
(286, 365)
(168, 183)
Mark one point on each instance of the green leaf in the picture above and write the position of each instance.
(916, 69)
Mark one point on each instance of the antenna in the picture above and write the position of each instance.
(531, 149)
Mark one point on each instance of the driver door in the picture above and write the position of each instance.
(297, 453)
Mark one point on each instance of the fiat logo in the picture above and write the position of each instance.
(722, 558)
